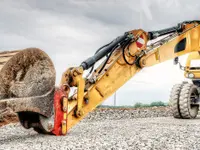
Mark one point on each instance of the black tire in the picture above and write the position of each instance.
(189, 96)
(174, 100)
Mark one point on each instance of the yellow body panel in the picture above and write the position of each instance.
(105, 87)
(196, 72)
(166, 51)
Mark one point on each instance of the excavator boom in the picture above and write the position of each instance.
(48, 109)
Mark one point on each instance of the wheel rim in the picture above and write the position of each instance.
(194, 106)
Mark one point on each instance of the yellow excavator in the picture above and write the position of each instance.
(27, 77)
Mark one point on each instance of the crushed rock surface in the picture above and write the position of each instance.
(150, 133)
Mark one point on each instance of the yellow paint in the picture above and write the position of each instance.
(166, 51)
(196, 72)
(117, 72)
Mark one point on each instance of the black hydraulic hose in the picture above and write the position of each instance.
(129, 49)
(106, 60)
(103, 47)
(191, 21)
(92, 60)
(91, 70)
(123, 45)
(155, 34)
(179, 28)
(124, 54)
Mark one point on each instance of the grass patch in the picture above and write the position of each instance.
(138, 105)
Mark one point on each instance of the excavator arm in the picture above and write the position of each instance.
(127, 55)
(124, 57)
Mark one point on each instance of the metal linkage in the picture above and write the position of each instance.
(61, 110)
(176, 29)
(161, 42)
(170, 33)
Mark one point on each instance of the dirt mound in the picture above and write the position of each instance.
(7, 117)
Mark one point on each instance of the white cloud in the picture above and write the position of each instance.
(70, 31)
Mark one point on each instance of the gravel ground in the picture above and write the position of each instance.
(140, 133)
(128, 113)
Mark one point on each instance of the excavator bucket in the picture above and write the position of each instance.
(27, 79)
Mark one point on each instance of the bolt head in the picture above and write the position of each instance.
(64, 109)
(86, 101)
(79, 113)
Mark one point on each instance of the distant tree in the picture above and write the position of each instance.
(158, 103)
(153, 104)
(138, 105)
(145, 105)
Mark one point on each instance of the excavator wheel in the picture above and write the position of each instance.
(188, 101)
(26, 73)
(174, 100)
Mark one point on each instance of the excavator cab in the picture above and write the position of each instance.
(192, 67)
